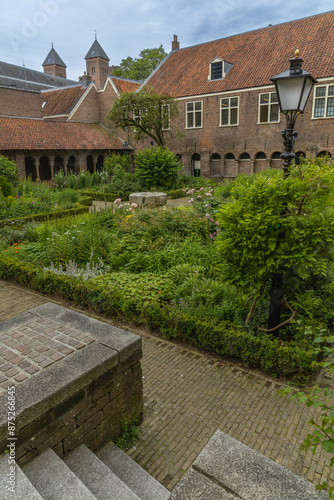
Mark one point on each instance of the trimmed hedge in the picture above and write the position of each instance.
(176, 193)
(81, 208)
(225, 338)
(100, 195)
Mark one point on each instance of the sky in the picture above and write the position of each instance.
(125, 27)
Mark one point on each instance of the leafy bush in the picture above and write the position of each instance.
(123, 183)
(157, 167)
(6, 187)
(8, 169)
(81, 180)
(114, 159)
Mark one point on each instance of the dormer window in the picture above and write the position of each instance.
(218, 69)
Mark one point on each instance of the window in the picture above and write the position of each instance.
(218, 68)
(268, 108)
(93, 70)
(165, 117)
(229, 111)
(194, 114)
(324, 102)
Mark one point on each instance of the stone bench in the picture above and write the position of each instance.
(148, 199)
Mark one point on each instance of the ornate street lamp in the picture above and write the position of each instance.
(293, 88)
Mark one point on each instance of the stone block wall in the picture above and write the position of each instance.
(82, 398)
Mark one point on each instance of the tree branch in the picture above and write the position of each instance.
(257, 297)
(281, 324)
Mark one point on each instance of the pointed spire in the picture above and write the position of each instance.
(96, 51)
(53, 58)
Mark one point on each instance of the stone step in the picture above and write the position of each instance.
(134, 476)
(54, 480)
(23, 489)
(97, 477)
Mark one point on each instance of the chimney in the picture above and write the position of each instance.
(85, 79)
(175, 43)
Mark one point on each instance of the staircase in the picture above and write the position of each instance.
(109, 474)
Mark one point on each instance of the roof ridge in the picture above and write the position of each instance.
(250, 31)
(125, 79)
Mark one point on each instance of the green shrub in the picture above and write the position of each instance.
(157, 167)
(114, 159)
(6, 186)
(176, 193)
(123, 183)
(8, 169)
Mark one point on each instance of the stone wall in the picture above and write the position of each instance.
(79, 399)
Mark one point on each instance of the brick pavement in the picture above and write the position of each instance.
(189, 395)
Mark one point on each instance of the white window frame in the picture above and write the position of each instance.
(193, 112)
(326, 97)
(269, 106)
(168, 111)
(229, 108)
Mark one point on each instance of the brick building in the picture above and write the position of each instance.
(48, 122)
(229, 116)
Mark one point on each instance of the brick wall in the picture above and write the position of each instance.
(314, 135)
(88, 111)
(21, 103)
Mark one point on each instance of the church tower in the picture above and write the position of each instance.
(97, 64)
(54, 65)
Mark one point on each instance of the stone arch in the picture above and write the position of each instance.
(90, 164)
(276, 160)
(71, 165)
(58, 165)
(196, 165)
(30, 168)
(44, 169)
(230, 165)
(215, 165)
(324, 153)
(260, 162)
(245, 166)
(299, 155)
(99, 163)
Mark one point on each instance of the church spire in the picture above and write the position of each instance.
(53, 64)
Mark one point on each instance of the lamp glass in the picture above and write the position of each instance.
(290, 90)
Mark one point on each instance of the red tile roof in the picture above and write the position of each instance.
(256, 56)
(125, 86)
(61, 102)
(30, 134)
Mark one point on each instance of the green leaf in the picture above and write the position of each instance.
(328, 446)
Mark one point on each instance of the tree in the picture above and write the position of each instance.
(141, 68)
(263, 207)
(146, 113)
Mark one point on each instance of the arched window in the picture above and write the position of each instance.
(90, 164)
(71, 165)
(30, 167)
(44, 169)
(99, 163)
(299, 156)
(215, 165)
(244, 156)
(229, 156)
(58, 165)
(260, 162)
(196, 164)
(245, 164)
(276, 160)
(230, 167)
(276, 156)
(322, 154)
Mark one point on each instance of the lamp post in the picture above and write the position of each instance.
(293, 88)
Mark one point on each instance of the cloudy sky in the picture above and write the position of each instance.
(125, 27)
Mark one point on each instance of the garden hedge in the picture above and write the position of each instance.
(225, 338)
(81, 208)
(100, 195)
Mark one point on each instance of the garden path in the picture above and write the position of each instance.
(188, 395)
